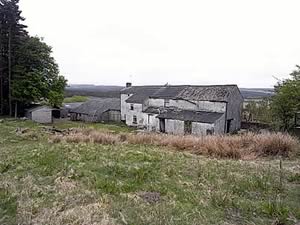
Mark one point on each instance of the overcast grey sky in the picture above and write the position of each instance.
(179, 42)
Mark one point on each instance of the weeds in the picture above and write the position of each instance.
(247, 146)
(103, 177)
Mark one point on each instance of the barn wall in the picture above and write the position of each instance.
(182, 104)
(219, 107)
(88, 118)
(153, 122)
(201, 128)
(124, 97)
(156, 102)
(174, 126)
(43, 115)
(114, 115)
(234, 110)
(190, 105)
(104, 117)
(220, 125)
(138, 112)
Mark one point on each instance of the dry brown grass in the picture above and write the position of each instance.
(80, 206)
(244, 146)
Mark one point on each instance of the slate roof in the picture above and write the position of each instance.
(35, 108)
(72, 105)
(153, 110)
(168, 92)
(187, 92)
(187, 115)
(208, 93)
(140, 93)
(98, 106)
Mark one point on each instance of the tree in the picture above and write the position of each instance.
(11, 36)
(258, 111)
(37, 74)
(286, 102)
(28, 72)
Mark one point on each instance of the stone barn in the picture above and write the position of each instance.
(40, 114)
(98, 110)
(183, 109)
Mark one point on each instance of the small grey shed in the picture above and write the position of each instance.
(40, 114)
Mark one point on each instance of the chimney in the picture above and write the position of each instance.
(128, 84)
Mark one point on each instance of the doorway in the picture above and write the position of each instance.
(187, 127)
(228, 126)
(162, 125)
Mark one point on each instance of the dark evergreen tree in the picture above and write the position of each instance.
(12, 35)
(28, 72)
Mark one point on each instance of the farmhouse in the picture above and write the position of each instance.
(183, 109)
(98, 110)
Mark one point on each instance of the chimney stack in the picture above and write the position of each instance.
(128, 84)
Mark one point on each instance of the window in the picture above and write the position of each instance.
(134, 120)
(167, 101)
(131, 107)
(187, 127)
(210, 131)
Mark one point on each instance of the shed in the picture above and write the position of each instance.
(97, 110)
(40, 114)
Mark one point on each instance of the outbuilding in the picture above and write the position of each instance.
(40, 114)
(98, 110)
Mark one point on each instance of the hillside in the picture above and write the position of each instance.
(93, 90)
(45, 179)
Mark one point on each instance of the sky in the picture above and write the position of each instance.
(110, 42)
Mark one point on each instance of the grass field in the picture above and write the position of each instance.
(76, 98)
(44, 182)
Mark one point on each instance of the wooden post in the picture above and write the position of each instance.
(16, 110)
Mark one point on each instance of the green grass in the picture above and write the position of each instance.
(76, 98)
(109, 127)
(46, 183)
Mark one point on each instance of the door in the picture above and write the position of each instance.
(162, 125)
(228, 126)
(187, 127)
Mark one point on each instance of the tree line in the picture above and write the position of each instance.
(28, 72)
(281, 110)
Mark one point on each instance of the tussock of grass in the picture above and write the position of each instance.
(244, 146)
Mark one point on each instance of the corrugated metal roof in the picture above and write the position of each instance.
(98, 106)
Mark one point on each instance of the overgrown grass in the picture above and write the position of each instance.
(76, 98)
(92, 183)
(244, 146)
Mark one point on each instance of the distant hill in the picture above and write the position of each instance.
(114, 91)
(257, 93)
(93, 90)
